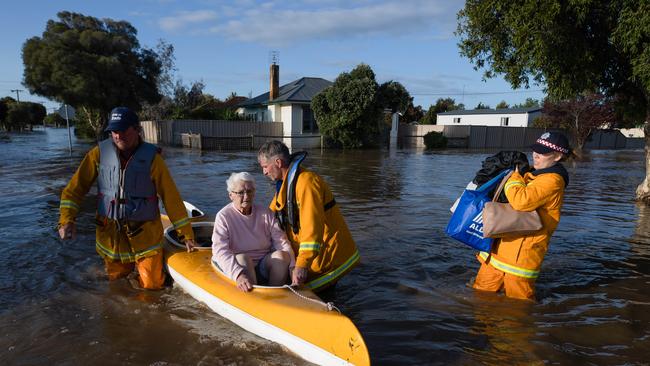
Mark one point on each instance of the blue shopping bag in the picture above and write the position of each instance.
(466, 223)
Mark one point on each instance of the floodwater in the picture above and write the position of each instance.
(408, 298)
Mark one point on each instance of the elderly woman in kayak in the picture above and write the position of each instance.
(248, 245)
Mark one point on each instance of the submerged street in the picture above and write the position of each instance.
(408, 297)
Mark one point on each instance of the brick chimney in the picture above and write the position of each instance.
(275, 81)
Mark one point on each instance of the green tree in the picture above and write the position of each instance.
(348, 111)
(394, 96)
(54, 119)
(480, 105)
(3, 111)
(18, 116)
(442, 105)
(568, 46)
(502, 105)
(435, 140)
(412, 114)
(92, 64)
(528, 103)
(430, 117)
(579, 116)
(36, 114)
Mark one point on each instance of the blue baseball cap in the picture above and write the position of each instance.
(121, 119)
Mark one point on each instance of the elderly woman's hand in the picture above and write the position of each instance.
(190, 244)
(243, 283)
(298, 276)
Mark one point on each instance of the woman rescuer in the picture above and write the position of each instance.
(513, 264)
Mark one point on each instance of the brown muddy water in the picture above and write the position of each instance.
(408, 298)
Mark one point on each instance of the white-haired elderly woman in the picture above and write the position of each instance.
(248, 244)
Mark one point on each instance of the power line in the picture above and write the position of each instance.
(482, 93)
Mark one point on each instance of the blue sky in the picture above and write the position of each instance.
(227, 44)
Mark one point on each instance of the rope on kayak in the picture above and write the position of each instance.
(329, 305)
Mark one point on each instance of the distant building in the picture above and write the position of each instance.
(289, 104)
(507, 117)
(633, 132)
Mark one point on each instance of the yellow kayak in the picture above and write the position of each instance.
(294, 318)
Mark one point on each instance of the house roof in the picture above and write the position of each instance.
(493, 111)
(301, 90)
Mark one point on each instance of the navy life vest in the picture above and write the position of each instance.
(127, 194)
(290, 214)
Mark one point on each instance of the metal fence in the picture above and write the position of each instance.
(495, 137)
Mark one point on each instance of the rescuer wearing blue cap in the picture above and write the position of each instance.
(131, 178)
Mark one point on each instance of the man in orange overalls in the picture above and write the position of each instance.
(131, 176)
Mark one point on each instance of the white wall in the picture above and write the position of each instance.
(274, 113)
(291, 117)
(515, 119)
(296, 119)
(633, 132)
(261, 114)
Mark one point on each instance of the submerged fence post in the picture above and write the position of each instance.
(67, 123)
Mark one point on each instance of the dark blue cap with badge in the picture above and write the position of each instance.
(121, 119)
(551, 141)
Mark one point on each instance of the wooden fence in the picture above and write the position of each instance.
(213, 133)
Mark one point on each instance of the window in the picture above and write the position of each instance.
(308, 122)
(456, 119)
(505, 121)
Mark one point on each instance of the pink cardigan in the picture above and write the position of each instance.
(256, 235)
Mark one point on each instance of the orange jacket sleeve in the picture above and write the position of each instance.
(530, 196)
(73, 194)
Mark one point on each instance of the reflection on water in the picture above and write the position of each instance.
(408, 297)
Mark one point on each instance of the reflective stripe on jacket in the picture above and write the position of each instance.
(323, 242)
(127, 193)
(541, 190)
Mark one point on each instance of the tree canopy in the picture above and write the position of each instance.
(528, 103)
(54, 119)
(502, 105)
(91, 64)
(21, 115)
(442, 105)
(3, 110)
(394, 96)
(579, 116)
(191, 102)
(349, 112)
(567, 46)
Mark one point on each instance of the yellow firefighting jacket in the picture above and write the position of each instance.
(541, 190)
(323, 242)
(126, 242)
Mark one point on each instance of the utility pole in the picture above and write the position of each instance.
(463, 100)
(17, 93)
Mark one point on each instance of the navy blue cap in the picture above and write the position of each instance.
(121, 119)
(551, 141)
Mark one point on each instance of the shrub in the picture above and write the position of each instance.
(435, 140)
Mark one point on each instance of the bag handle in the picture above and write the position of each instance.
(501, 185)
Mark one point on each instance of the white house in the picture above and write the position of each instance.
(507, 117)
(289, 104)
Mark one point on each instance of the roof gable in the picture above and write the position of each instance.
(302, 90)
